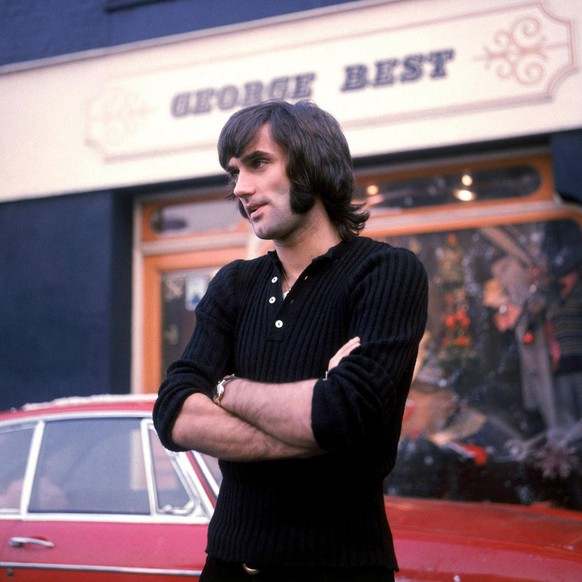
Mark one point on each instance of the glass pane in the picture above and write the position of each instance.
(173, 497)
(14, 449)
(195, 217)
(467, 186)
(211, 463)
(181, 292)
(495, 412)
(91, 466)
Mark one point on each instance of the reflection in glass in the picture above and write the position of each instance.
(487, 418)
(194, 217)
(181, 292)
(14, 448)
(467, 186)
(172, 497)
(91, 466)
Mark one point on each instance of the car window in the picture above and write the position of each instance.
(172, 493)
(14, 449)
(211, 463)
(93, 465)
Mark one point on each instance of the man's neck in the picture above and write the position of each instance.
(315, 240)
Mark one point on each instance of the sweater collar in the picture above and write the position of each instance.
(334, 253)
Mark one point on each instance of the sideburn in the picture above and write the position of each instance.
(301, 202)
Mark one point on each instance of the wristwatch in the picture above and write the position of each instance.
(218, 392)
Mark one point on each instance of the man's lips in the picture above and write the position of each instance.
(251, 209)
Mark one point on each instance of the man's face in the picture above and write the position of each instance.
(262, 186)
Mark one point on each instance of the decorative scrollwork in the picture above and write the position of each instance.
(520, 53)
(119, 114)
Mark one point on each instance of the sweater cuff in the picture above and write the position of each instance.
(165, 413)
(322, 418)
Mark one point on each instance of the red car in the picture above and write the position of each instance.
(88, 493)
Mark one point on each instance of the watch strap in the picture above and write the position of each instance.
(218, 392)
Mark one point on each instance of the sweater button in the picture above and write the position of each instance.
(272, 300)
(278, 324)
(274, 279)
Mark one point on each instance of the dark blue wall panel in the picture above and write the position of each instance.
(65, 289)
(34, 29)
(177, 16)
(566, 150)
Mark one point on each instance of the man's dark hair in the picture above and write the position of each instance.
(319, 163)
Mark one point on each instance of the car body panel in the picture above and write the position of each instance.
(118, 549)
(485, 542)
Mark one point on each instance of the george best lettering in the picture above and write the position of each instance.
(391, 71)
(381, 73)
(231, 96)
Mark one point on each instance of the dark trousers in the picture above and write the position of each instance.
(217, 571)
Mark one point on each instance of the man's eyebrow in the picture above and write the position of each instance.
(247, 159)
(254, 155)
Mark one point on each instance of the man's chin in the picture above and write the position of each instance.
(268, 234)
(261, 233)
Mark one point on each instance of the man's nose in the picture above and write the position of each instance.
(243, 186)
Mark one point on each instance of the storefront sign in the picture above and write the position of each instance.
(491, 59)
(399, 76)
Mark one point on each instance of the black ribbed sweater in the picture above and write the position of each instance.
(326, 510)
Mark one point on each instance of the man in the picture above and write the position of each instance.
(564, 329)
(562, 247)
(298, 368)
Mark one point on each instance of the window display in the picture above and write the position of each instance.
(494, 410)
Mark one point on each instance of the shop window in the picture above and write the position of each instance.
(195, 217)
(181, 292)
(486, 418)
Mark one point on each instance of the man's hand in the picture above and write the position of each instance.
(344, 351)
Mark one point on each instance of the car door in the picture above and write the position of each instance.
(15, 445)
(107, 502)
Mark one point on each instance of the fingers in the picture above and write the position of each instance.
(348, 347)
(345, 350)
